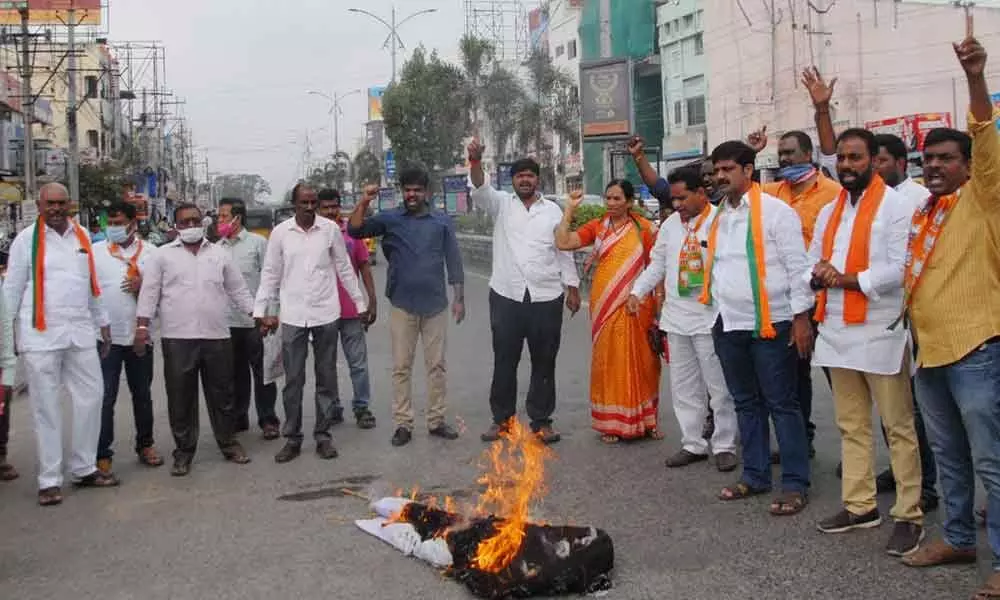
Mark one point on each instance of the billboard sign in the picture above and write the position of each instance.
(386, 199)
(50, 12)
(375, 103)
(505, 179)
(375, 137)
(606, 110)
(912, 129)
(390, 164)
(456, 194)
(538, 28)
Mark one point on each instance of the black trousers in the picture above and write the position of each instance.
(513, 322)
(248, 365)
(5, 425)
(184, 361)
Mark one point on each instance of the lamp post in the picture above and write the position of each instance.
(394, 40)
(335, 111)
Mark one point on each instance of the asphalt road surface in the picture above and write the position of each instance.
(286, 531)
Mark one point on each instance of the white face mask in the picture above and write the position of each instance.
(192, 235)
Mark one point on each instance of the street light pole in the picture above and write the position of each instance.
(394, 40)
(335, 111)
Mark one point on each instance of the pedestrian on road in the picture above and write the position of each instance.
(678, 261)
(121, 261)
(420, 245)
(8, 369)
(52, 287)
(247, 250)
(306, 257)
(625, 370)
(529, 280)
(191, 284)
(351, 327)
(756, 270)
(952, 289)
(857, 257)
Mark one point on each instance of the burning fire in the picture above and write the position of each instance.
(514, 480)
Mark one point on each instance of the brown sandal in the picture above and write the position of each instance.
(50, 496)
(655, 434)
(97, 479)
(990, 590)
(740, 491)
(788, 504)
(610, 439)
(150, 457)
(8, 472)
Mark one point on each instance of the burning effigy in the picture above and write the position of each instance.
(494, 548)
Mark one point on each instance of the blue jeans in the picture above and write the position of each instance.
(961, 407)
(352, 337)
(762, 376)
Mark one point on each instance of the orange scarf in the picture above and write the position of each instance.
(755, 253)
(132, 272)
(925, 228)
(858, 254)
(38, 268)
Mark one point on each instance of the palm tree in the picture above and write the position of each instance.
(492, 92)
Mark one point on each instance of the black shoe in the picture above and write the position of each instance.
(684, 458)
(905, 539)
(325, 450)
(290, 452)
(445, 431)
(845, 521)
(402, 437)
(885, 482)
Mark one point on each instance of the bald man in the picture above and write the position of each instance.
(57, 315)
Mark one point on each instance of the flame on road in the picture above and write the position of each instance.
(514, 479)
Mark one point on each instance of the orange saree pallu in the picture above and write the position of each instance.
(624, 373)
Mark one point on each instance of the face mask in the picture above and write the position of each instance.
(797, 173)
(192, 235)
(117, 234)
(226, 229)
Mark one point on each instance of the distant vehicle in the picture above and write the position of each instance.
(260, 221)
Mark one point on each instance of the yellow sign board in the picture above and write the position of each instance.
(10, 194)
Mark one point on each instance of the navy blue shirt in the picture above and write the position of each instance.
(418, 249)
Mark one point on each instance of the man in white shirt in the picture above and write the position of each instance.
(121, 259)
(306, 256)
(191, 283)
(755, 272)
(52, 287)
(890, 163)
(858, 256)
(529, 279)
(677, 260)
(247, 250)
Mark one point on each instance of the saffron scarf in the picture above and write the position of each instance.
(691, 271)
(38, 268)
(132, 271)
(764, 328)
(858, 254)
(925, 228)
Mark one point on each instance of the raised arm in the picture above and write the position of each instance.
(985, 170)
(636, 147)
(566, 239)
(482, 195)
(360, 227)
(821, 93)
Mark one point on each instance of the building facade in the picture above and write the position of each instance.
(563, 38)
(685, 89)
(891, 59)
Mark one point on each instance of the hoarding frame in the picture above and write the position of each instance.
(376, 94)
(585, 68)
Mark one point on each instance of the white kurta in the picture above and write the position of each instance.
(869, 347)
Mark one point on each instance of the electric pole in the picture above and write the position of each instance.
(73, 158)
(393, 41)
(28, 104)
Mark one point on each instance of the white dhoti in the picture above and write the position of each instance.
(697, 382)
(79, 370)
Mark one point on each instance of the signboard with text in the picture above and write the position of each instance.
(606, 110)
(912, 129)
(375, 103)
(456, 193)
(50, 12)
(505, 179)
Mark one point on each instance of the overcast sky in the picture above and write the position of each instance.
(245, 67)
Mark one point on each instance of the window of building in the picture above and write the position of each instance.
(678, 117)
(666, 29)
(93, 138)
(696, 111)
(560, 50)
(91, 85)
(688, 22)
(699, 45)
(571, 49)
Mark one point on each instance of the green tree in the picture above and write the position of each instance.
(420, 112)
(367, 169)
(550, 106)
(101, 182)
(249, 187)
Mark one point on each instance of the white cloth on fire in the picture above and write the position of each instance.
(403, 536)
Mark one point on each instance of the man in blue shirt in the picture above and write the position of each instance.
(419, 244)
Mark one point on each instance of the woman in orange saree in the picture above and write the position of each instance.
(625, 372)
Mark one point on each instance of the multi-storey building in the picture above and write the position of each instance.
(685, 90)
